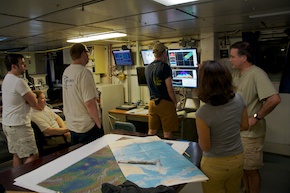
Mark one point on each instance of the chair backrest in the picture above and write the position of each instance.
(125, 126)
(39, 136)
(41, 140)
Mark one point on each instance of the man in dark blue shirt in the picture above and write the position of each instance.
(162, 105)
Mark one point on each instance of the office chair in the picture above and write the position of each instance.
(125, 126)
(44, 148)
(121, 125)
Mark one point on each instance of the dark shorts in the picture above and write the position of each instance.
(88, 136)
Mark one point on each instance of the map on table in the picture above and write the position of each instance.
(171, 168)
(88, 174)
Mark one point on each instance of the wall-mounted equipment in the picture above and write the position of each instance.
(183, 58)
(123, 57)
(147, 56)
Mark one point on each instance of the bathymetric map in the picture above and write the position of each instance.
(88, 167)
(171, 168)
(88, 174)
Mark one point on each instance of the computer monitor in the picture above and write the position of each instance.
(123, 57)
(147, 56)
(184, 78)
(186, 58)
(141, 76)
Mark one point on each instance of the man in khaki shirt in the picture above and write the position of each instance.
(260, 96)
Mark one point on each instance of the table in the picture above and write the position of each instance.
(122, 115)
(7, 177)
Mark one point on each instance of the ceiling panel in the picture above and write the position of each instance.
(32, 28)
(35, 8)
(166, 16)
(9, 20)
(122, 8)
(48, 24)
(74, 17)
(79, 31)
(119, 24)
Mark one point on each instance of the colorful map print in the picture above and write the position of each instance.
(88, 174)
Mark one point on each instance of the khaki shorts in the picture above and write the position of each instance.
(21, 140)
(224, 173)
(162, 116)
(253, 150)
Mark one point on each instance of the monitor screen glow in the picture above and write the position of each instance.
(186, 58)
(184, 78)
(123, 57)
(147, 56)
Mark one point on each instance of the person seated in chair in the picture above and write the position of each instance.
(48, 121)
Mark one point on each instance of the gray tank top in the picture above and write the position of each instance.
(224, 122)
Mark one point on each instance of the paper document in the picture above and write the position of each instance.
(179, 146)
(140, 111)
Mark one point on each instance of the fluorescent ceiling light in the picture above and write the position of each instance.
(173, 2)
(95, 37)
(269, 14)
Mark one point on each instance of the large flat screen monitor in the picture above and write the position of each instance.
(141, 76)
(147, 56)
(186, 58)
(123, 57)
(184, 78)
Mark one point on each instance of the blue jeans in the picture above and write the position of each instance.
(87, 137)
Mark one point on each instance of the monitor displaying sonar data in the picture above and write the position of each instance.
(186, 78)
(186, 58)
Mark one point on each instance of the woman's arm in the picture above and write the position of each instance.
(203, 134)
(244, 123)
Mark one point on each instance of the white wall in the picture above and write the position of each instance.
(112, 96)
(208, 49)
(278, 122)
(133, 92)
(208, 46)
(278, 127)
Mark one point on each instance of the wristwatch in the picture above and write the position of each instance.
(256, 116)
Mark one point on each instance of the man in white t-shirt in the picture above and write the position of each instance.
(17, 98)
(82, 113)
